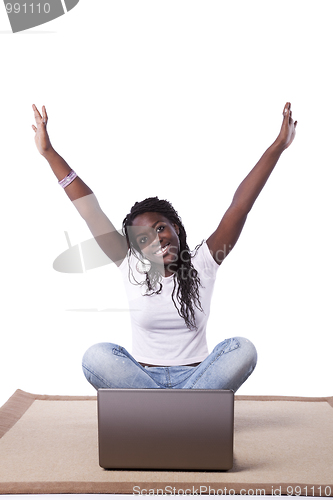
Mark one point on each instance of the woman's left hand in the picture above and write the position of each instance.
(288, 128)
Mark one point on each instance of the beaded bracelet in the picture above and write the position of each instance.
(68, 179)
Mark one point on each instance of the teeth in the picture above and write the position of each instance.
(162, 250)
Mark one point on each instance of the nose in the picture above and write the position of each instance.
(157, 241)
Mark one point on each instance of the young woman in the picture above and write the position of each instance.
(169, 288)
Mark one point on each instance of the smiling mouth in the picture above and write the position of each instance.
(163, 250)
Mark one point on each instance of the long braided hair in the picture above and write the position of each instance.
(185, 275)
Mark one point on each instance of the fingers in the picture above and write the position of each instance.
(287, 110)
(287, 113)
(36, 112)
(291, 121)
(38, 117)
(45, 117)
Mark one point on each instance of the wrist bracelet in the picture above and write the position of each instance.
(68, 179)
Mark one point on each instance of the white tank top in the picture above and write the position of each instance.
(159, 334)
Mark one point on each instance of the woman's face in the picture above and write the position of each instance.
(157, 239)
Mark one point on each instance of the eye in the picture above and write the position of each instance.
(160, 228)
(143, 240)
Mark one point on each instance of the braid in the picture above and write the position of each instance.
(185, 275)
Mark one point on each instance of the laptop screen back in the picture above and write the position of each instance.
(170, 429)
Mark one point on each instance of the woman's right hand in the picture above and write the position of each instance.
(42, 139)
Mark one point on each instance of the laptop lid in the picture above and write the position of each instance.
(165, 429)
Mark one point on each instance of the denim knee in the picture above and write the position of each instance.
(246, 349)
(96, 364)
(250, 352)
(94, 353)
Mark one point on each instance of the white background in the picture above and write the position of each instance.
(177, 99)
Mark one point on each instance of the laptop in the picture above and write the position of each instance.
(166, 429)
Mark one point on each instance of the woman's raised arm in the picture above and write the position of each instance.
(112, 243)
(222, 241)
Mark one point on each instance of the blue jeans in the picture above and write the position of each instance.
(109, 365)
